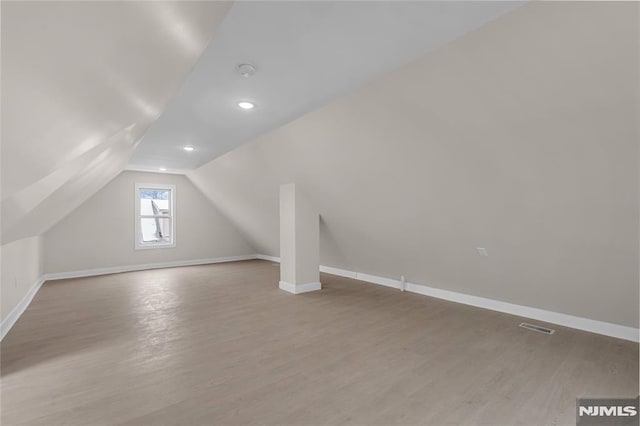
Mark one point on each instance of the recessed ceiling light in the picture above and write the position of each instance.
(246, 105)
(188, 148)
(163, 169)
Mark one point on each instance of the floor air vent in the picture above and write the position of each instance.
(537, 328)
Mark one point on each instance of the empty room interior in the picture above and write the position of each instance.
(320, 213)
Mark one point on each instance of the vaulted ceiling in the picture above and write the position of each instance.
(521, 138)
(81, 83)
(421, 130)
(89, 88)
(306, 53)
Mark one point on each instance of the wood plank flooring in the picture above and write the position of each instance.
(222, 345)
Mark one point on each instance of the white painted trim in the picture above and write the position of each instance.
(594, 326)
(580, 323)
(338, 272)
(374, 279)
(269, 258)
(566, 320)
(300, 288)
(131, 268)
(139, 245)
(19, 309)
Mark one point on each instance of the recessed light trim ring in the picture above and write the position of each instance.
(246, 105)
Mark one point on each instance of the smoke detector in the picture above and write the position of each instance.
(246, 70)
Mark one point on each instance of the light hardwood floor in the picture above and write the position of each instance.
(222, 345)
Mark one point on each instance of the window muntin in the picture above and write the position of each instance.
(155, 224)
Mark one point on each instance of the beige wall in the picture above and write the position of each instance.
(100, 233)
(520, 137)
(299, 237)
(70, 121)
(21, 263)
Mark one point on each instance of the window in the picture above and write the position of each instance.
(155, 224)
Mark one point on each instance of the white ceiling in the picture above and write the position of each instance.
(521, 138)
(306, 53)
(81, 83)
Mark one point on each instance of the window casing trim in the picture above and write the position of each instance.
(139, 245)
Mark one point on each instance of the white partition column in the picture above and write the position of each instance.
(299, 242)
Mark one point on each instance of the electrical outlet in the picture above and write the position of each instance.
(482, 251)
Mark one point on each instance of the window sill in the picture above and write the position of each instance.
(154, 246)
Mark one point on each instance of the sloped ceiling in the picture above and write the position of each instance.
(81, 83)
(306, 53)
(520, 137)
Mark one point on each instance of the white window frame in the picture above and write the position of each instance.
(139, 245)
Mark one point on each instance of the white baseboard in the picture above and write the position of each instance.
(300, 288)
(19, 309)
(580, 323)
(566, 320)
(339, 272)
(387, 282)
(142, 267)
(269, 258)
(571, 321)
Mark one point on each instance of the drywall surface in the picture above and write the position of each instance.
(520, 137)
(299, 237)
(100, 233)
(81, 83)
(21, 263)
